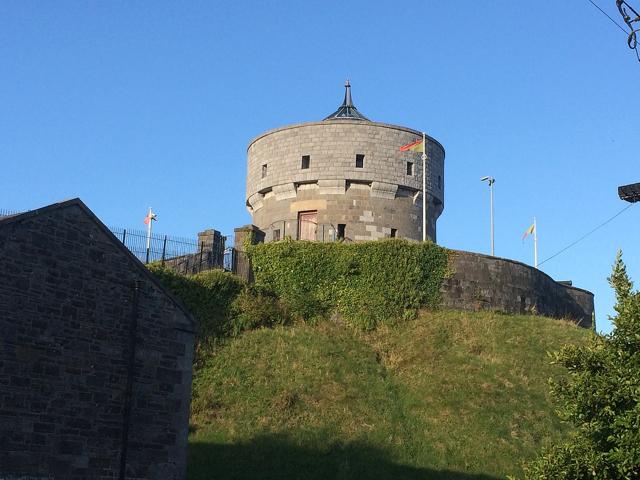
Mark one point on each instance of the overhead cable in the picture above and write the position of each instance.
(587, 234)
(608, 16)
(632, 40)
(631, 35)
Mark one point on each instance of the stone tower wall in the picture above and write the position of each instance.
(370, 201)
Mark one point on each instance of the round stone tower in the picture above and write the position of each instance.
(344, 177)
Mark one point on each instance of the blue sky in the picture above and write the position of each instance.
(132, 104)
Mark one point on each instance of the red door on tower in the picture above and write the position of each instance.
(307, 225)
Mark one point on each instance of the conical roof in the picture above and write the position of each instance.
(347, 110)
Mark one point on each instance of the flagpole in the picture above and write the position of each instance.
(424, 188)
(535, 243)
(490, 181)
(150, 217)
(491, 207)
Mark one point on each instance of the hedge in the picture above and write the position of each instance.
(208, 296)
(223, 304)
(365, 283)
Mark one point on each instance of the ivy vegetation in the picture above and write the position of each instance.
(366, 284)
(223, 304)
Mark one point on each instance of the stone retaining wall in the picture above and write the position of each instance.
(482, 282)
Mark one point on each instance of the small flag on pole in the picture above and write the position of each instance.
(150, 217)
(533, 230)
(148, 221)
(413, 146)
(419, 146)
(529, 231)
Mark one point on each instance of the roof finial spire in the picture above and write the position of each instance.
(347, 110)
(347, 95)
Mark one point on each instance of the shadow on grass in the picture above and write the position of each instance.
(278, 457)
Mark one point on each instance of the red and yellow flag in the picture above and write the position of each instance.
(529, 231)
(149, 217)
(413, 146)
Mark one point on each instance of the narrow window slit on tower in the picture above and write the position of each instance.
(359, 160)
(264, 170)
(306, 160)
(409, 168)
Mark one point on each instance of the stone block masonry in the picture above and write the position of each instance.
(95, 359)
(381, 197)
(482, 282)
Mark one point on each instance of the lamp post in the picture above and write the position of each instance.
(490, 181)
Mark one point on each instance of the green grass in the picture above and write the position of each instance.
(449, 395)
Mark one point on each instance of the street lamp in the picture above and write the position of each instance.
(491, 181)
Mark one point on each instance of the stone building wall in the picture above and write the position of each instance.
(370, 201)
(70, 294)
(483, 282)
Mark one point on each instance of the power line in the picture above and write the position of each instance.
(632, 39)
(607, 15)
(588, 233)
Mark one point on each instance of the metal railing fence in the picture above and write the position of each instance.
(161, 247)
(182, 255)
(7, 213)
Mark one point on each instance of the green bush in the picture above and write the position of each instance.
(209, 297)
(222, 303)
(256, 307)
(366, 283)
(601, 397)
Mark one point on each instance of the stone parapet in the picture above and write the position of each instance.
(482, 282)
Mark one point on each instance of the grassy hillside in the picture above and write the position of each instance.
(450, 395)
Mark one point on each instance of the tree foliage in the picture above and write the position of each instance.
(600, 395)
